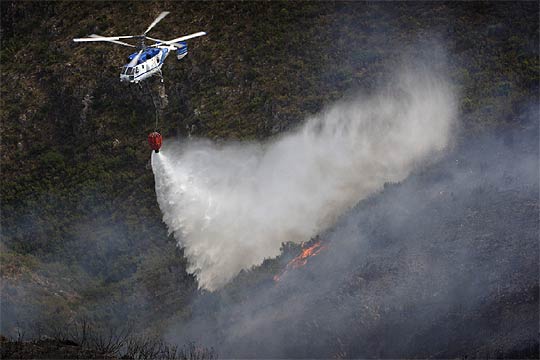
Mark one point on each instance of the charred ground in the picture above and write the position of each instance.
(443, 264)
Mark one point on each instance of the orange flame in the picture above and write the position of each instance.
(302, 258)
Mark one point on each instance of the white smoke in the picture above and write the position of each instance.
(231, 206)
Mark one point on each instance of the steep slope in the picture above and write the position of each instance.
(443, 265)
(78, 205)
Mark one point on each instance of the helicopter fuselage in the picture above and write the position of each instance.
(150, 62)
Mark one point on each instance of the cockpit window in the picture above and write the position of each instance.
(129, 71)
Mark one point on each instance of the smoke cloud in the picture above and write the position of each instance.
(230, 206)
(445, 263)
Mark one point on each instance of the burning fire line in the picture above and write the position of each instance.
(302, 258)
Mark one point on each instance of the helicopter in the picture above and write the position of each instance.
(148, 59)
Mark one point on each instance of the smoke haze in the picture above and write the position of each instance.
(231, 206)
(445, 262)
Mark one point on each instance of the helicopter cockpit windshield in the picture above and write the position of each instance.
(127, 73)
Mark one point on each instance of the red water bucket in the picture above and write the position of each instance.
(155, 140)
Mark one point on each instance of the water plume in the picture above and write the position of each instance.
(232, 205)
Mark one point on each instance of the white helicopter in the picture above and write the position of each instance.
(149, 59)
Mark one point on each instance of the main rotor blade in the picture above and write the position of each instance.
(191, 36)
(103, 38)
(154, 39)
(133, 62)
(113, 41)
(158, 19)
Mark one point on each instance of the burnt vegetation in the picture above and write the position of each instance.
(82, 236)
(443, 264)
(83, 340)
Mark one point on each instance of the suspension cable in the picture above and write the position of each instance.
(153, 103)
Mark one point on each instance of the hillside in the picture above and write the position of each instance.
(82, 233)
(442, 265)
